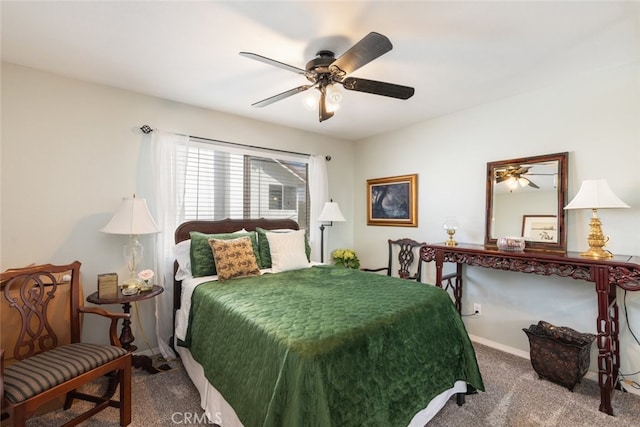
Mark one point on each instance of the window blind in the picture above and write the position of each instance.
(223, 181)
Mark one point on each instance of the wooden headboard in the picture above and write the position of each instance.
(222, 226)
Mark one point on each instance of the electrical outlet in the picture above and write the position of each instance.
(477, 309)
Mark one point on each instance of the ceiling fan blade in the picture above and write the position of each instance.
(378, 88)
(281, 96)
(366, 50)
(324, 113)
(531, 184)
(274, 62)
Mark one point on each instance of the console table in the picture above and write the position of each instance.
(622, 271)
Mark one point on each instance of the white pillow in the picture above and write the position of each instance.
(287, 251)
(182, 254)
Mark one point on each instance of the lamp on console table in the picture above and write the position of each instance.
(450, 225)
(594, 195)
(330, 212)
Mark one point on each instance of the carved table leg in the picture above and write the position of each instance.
(126, 338)
(607, 328)
(455, 285)
(615, 338)
(458, 289)
(439, 258)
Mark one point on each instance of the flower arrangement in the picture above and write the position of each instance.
(346, 258)
(146, 276)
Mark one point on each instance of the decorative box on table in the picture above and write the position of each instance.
(108, 285)
(558, 353)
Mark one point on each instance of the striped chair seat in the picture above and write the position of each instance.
(38, 373)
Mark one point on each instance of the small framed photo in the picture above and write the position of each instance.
(393, 201)
(540, 228)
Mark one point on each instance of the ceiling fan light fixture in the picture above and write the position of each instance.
(523, 181)
(512, 182)
(334, 96)
(310, 101)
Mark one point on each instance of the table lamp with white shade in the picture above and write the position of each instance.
(594, 195)
(132, 218)
(330, 212)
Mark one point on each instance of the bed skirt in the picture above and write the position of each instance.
(218, 410)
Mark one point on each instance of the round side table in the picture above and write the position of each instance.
(126, 336)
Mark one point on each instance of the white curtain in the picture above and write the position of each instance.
(167, 206)
(168, 198)
(318, 195)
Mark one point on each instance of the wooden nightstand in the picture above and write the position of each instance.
(126, 336)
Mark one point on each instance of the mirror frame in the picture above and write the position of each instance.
(562, 158)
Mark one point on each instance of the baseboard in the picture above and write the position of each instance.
(593, 376)
(501, 347)
(630, 389)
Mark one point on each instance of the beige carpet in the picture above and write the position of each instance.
(515, 397)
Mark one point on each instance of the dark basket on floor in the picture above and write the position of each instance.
(558, 353)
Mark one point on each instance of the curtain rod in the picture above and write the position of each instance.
(147, 130)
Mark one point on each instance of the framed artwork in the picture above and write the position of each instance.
(540, 228)
(393, 201)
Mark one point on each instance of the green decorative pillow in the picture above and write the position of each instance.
(264, 250)
(202, 263)
(234, 258)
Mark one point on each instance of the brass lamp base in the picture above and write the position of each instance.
(597, 253)
(451, 242)
(597, 240)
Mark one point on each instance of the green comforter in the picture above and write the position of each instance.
(328, 346)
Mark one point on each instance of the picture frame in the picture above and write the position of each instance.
(393, 201)
(540, 228)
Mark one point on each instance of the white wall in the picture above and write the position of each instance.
(71, 150)
(595, 118)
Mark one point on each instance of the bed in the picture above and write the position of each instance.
(313, 345)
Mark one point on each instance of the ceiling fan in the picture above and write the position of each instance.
(325, 71)
(514, 175)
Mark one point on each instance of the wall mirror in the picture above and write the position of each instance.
(526, 197)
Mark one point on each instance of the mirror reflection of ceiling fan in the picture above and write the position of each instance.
(514, 176)
(325, 72)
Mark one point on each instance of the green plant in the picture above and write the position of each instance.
(346, 258)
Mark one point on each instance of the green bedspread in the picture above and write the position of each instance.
(328, 346)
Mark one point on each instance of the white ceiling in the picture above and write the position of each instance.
(455, 54)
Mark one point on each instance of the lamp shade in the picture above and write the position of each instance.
(595, 194)
(331, 212)
(133, 217)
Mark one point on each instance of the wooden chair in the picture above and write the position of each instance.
(406, 258)
(45, 368)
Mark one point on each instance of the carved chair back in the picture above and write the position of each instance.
(33, 296)
(406, 257)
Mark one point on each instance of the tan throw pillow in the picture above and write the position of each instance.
(234, 258)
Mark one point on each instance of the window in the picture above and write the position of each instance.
(282, 197)
(227, 182)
